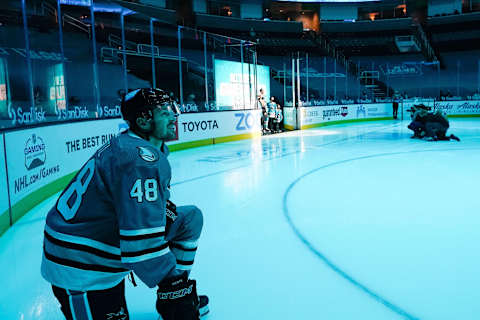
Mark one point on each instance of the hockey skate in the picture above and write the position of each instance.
(203, 309)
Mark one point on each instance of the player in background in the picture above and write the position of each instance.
(275, 114)
(115, 217)
(436, 126)
(395, 103)
(418, 113)
(262, 104)
(271, 111)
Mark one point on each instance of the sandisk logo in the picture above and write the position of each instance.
(175, 294)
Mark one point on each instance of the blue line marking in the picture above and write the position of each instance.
(326, 260)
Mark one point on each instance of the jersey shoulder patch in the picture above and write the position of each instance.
(147, 154)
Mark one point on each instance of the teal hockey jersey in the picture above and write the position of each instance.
(110, 219)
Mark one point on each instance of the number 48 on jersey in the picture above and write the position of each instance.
(147, 188)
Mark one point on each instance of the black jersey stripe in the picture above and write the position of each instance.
(142, 236)
(142, 252)
(185, 263)
(82, 266)
(81, 247)
(180, 247)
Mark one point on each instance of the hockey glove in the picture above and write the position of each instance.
(177, 299)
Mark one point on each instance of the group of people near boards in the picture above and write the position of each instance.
(426, 124)
(429, 125)
(272, 114)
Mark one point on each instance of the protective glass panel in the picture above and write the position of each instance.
(15, 87)
(48, 73)
(166, 64)
(237, 79)
(318, 80)
(193, 71)
(138, 52)
(287, 75)
(80, 81)
(110, 62)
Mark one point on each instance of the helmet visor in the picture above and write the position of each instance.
(170, 106)
(175, 108)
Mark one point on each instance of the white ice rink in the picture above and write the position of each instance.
(345, 222)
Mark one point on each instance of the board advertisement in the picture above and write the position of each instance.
(311, 116)
(468, 107)
(199, 126)
(463, 108)
(289, 118)
(40, 157)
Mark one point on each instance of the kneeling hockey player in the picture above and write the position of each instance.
(115, 217)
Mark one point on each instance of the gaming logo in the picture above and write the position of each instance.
(34, 152)
(344, 111)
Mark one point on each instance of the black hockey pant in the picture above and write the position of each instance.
(94, 304)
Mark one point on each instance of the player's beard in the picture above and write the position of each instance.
(171, 131)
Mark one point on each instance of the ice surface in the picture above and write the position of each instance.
(354, 222)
